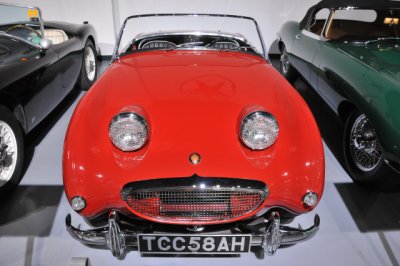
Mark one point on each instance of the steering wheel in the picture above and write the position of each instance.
(25, 32)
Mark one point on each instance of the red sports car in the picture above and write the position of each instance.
(192, 143)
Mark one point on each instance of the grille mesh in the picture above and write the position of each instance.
(195, 205)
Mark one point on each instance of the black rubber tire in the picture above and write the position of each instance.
(85, 83)
(378, 177)
(7, 117)
(290, 73)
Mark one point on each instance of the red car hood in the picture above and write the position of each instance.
(193, 102)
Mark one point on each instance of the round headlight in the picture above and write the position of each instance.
(259, 130)
(128, 131)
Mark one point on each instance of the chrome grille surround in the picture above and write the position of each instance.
(198, 201)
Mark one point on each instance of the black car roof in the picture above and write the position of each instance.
(338, 4)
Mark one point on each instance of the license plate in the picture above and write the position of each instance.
(193, 244)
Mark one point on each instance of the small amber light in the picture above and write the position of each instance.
(391, 21)
(195, 158)
(33, 13)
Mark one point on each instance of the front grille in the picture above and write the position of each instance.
(195, 203)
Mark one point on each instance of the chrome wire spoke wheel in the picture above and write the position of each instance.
(8, 153)
(90, 63)
(365, 148)
(285, 64)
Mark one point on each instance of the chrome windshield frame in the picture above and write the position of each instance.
(116, 49)
(41, 24)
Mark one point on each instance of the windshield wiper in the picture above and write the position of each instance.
(381, 40)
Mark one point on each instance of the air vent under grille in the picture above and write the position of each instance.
(197, 203)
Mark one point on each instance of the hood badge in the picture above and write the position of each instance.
(195, 158)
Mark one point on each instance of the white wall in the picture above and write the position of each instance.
(270, 14)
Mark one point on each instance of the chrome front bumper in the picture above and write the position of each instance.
(115, 238)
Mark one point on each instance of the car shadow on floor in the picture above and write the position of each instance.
(30, 211)
(371, 211)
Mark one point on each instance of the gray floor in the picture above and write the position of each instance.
(358, 227)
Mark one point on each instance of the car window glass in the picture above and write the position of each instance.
(22, 22)
(318, 21)
(363, 24)
(356, 15)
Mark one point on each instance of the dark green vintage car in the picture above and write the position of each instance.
(349, 52)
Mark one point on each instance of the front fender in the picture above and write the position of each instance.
(287, 34)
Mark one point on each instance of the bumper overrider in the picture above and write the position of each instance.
(117, 237)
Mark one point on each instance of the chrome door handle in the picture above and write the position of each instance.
(298, 36)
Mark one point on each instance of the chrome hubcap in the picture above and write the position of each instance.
(285, 62)
(90, 63)
(365, 148)
(8, 153)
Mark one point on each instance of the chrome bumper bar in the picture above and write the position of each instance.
(118, 240)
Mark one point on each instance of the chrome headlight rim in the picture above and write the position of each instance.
(133, 116)
(256, 114)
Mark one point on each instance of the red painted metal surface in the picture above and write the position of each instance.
(194, 102)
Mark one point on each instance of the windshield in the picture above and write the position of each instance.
(189, 31)
(22, 22)
(364, 25)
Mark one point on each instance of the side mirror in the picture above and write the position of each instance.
(46, 43)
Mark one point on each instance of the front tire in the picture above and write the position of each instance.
(286, 67)
(11, 151)
(363, 152)
(89, 66)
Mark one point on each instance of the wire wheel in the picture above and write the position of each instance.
(8, 153)
(90, 63)
(286, 68)
(365, 148)
(285, 63)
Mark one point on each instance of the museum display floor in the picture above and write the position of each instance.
(358, 227)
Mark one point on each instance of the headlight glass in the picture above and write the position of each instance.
(128, 131)
(259, 130)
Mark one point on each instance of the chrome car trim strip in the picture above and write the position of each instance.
(117, 239)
